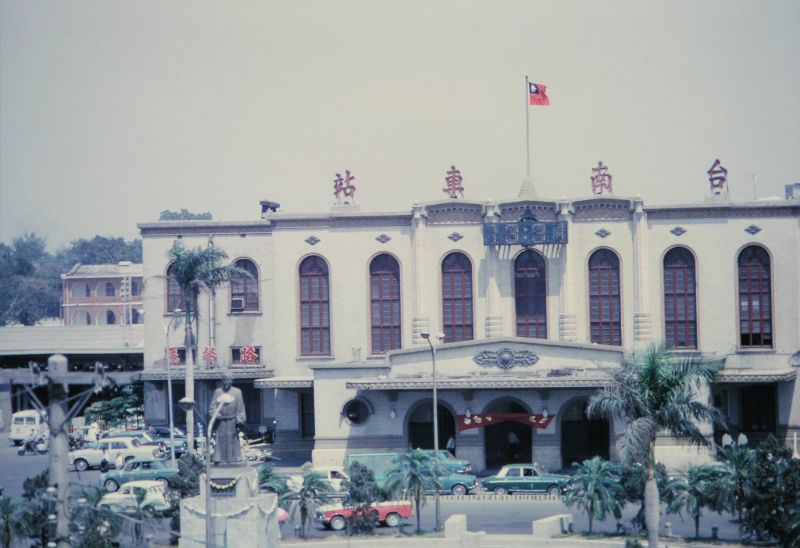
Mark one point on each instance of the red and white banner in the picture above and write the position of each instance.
(536, 420)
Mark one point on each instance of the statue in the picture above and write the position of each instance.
(230, 415)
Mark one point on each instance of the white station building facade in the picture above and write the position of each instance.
(537, 300)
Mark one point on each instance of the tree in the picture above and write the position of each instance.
(100, 250)
(736, 459)
(412, 473)
(115, 405)
(35, 508)
(634, 478)
(362, 493)
(656, 391)
(271, 480)
(183, 215)
(312, 493)
(10, 526)
(92, 526)
(29, 291)
(696, 490)
(595, 489)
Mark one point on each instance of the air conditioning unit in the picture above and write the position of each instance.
(237, 304)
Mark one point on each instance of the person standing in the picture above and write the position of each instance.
(451, 445)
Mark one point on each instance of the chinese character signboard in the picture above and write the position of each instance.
(718, 178)
(601, 179)
(453, 180)
(525, 233)
(344, 186)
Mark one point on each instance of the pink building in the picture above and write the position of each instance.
(103, 294)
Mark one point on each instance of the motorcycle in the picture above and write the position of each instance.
(34, 445)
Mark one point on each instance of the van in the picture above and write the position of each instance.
(25, 425)
(382, 463)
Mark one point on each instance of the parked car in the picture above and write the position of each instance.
(332, 475)
(451, 463)
(523, 477)
(382, 463)
(124, 499)
(390, 513)
(139, 469)
(161, 435)
(103, 453)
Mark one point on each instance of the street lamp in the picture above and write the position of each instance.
(440, 337)
(170, 325)
(188, 404)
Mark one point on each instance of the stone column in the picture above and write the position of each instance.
(494, 320)
(420, 322)
(567, 323)
(642, 332)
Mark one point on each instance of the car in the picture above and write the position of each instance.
(139, 469)
(334, 476)
(390, 513)
(103, 453)
(451, 463)
(382, 463)
(124, 499)
(523, 477)
(161, 435)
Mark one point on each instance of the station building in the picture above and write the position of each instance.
(537, 300)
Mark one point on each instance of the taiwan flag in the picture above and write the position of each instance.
(538, 94)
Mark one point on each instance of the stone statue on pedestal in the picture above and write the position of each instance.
(230, 416)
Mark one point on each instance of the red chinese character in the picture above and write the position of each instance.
(601, 179)
(210, 355)
(344, 185)
(247, 354)
(718, 177)
(453, 180)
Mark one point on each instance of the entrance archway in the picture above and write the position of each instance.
(582, 438)
(500, 440)
(420, 426)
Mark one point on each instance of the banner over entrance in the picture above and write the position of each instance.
(536, 420)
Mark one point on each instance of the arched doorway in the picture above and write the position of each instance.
(508, 441)
(582, 438)
(420, 426)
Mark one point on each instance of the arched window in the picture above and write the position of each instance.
(136, 316)
(457, 298)
(604, 298)
(530, 295)
(110, 289)
(175, 297)
(755, 297)
(88, 319)
(384, 295)
(136, 288)
(315, 337)
(680, 305)
(111, 318)
(244, 289)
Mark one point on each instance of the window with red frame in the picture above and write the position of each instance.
(755, 298)
(680, 302)
(604, 298)
(457, 298)
(314, 307)
(244, 288)
(530, 295)
(175, 297)
(384, 282)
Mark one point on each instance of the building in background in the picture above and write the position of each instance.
(103, 294)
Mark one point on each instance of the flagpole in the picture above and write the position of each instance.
(527, 130)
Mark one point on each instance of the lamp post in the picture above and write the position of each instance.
(170, 325)
(440, 337)
(188, 404)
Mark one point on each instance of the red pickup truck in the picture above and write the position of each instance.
(390, 512)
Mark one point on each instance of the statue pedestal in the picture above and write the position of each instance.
(240, 515)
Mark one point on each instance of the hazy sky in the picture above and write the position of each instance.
(111, 111)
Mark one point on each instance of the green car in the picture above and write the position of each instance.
(139, 469)
(382, 463)
(523, 477)
(450, 463)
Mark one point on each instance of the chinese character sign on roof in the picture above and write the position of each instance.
(453, 180)
(601, 179)
(718, 178)
(344, 186)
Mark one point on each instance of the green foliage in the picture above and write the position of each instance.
(115, 405)
(101, 250)
(186, 483)
(595, 489)
(311, 494)
(183, 215)
(91, 526)
(362, 492)
(271, 480)
(633, 481)
(35, 508)
(10, 526)
(737, 461)
(412, 473)
(699, 488)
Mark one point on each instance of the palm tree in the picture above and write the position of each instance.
(413, 472)
(9, 521)
(658, 391)
(699, 488)
(196, 270)
(271, 480)
(737, 461)
(595, 489)
(94, 527)
(312, 493)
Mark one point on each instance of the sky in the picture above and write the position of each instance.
(112, 111)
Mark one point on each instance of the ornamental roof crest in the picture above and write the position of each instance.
(505, 358)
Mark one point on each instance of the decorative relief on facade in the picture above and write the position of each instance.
(752, 230)
(383, 238)
(678, 231)
(603, 233)
(601, 179)
(312, 240)
(453, 179)
(455, 236)
(505, 358)
(718, 178)
(544, 211)
(602, 208)
(455, 213)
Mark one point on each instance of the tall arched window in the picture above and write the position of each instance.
(530, 295)
(175, 297)
(111, 318)
(457, 298)
(680, 303)
(110, 291)
(384, 294)
(755, 297)
(244, 289)
(604, 298)
(315, 337)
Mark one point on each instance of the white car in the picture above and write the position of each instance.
(105, 452)
(124, 499)
(333, 475)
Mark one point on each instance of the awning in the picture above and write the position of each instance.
(754, 376)
(179, 373)
(285, 382)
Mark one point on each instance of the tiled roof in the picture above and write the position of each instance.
(103, 271)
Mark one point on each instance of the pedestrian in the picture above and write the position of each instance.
(513, 444)
(451, 445)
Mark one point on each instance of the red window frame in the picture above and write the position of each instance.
(314, 307)
(680, 299)
(244, 287)
(457, 315)
(384, 290)
(175, 295)
(604, 298)
(530, 295)
(755, 298)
